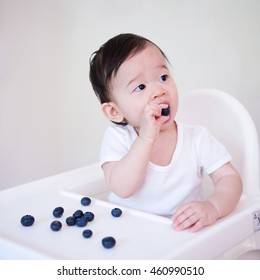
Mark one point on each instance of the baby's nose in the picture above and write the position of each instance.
(158, 94)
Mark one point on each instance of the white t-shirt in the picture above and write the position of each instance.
(167, 187)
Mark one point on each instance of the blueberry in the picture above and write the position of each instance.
(166, 111)
(85, 201)
(71, 221)
(89, 216)
(78, 214)
(27, 220)
(56, 225)
(108, 242)
(81, 222)
(57, 212)
(116, 212)
(87, 233)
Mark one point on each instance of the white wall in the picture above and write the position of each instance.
(50, 119)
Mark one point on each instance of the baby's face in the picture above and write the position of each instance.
(143, 79)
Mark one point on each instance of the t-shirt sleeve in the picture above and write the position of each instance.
(114, 145)
(212, 154)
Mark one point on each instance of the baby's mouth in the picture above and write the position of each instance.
(165, 111)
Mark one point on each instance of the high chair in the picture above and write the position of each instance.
(140, 235)
(228, 120)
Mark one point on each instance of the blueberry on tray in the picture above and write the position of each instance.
(27, 220)
(89, 216)
(108, 242)
(87, 233)
(56, 225)
(78, 214)
(81, 222)
(57, 212)
(85, 201)
(71, 221)
(116, 212)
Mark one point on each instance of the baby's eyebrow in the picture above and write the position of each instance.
(161, 66)
(132, 80)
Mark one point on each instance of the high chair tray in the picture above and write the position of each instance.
(138, 235)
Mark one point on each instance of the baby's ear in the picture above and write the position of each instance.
(111, 111)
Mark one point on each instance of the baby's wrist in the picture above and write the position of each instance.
(145, 137)
(146, 140)
(212, 205)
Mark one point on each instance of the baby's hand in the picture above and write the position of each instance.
(152, 121)
(195, 216)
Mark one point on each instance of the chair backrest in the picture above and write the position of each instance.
(228, 120)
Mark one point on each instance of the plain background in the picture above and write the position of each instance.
(50, 119)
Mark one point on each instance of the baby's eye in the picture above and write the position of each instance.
(140, 87)
(164, 78)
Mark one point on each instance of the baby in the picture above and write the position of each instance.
(152, 162)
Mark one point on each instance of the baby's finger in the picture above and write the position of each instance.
(185, 218)
(179, 211)
(152, 110)
(197, 226)
(186, 223)
(161, 109)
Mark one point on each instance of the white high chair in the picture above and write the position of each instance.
(230, 123)
(235, 236)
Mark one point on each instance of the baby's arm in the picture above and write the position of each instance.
(125, 177)
(196, 215)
